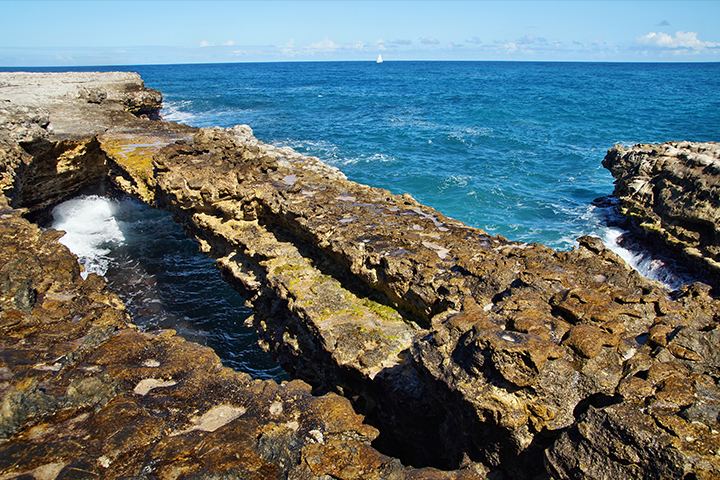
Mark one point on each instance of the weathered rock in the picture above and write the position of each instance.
(80, 103)
(38, 105)
(85, 394)
(463, 348)
(520, 337)
(671, 194)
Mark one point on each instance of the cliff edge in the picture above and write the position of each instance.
(671, 194)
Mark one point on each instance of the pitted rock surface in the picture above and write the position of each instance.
(84, 393)
(464, 349)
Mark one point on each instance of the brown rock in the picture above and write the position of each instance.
(671, 192)
(460, 347)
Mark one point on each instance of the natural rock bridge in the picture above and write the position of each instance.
(470, 353)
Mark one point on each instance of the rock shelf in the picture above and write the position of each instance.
(466, 351)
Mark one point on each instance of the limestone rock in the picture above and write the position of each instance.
(79, 103)
(507, 342)
(84, 393)
(671, 193)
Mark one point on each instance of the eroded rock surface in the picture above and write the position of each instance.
(85, 394)
(671, 194)
(464, 349)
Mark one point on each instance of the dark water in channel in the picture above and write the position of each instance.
(162, 277)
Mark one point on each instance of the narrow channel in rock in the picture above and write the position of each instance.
(162, 278)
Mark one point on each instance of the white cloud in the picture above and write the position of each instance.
(325, 45)
(289, 49)
(529, 39)
(429, 41)
(401, 42)
(681, 41)
(205, 43)
(229, 42)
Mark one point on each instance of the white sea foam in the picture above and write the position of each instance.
(91, 229)
(177, 112)
(645, 263)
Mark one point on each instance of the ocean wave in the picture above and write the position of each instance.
(331, 153)
(177, 112)
(647, 264)
(91, 230)
(640, 258)
(323, 149)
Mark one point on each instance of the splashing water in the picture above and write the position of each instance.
(91, 231)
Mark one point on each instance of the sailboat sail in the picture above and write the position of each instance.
(379, 60)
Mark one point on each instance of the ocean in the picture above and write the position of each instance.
(514, 148)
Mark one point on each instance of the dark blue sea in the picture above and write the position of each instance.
(513, 148)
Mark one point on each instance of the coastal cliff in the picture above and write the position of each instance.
(671, 195)
(464, 350)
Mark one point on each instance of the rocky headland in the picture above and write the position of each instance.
(466, 352)
(670, 194)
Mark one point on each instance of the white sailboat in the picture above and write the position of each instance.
(379, 60)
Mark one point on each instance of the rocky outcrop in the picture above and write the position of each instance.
(464, 349)
(496, 347)
(86, 394)
(36, 171)
(671, 194)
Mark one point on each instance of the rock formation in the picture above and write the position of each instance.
(463, 349)
(85, 394)
(671, 193)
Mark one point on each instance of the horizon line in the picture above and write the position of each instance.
(363, 61)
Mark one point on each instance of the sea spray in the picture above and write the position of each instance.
(91, 231)
(621, 241)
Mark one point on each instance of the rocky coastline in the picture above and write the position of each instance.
(670, 194)
(470, 355)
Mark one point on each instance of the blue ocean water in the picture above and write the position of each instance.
(513, 148)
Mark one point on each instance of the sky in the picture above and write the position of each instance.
(87, 33)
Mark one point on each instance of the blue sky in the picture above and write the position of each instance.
(65, 33)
